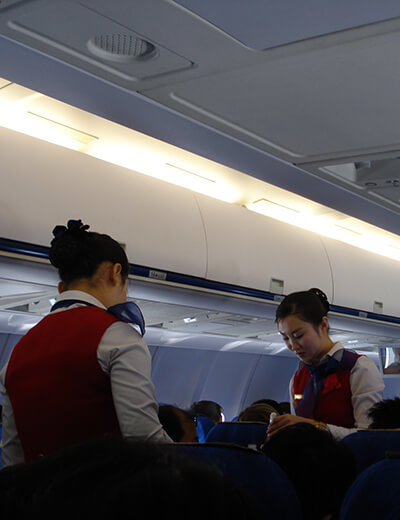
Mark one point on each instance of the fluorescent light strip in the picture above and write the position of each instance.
(190, 173)
(72, 133)
(349, 230)
(262, 201)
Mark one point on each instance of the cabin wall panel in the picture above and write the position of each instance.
(7, 343)
(392, 387)
(227, 380)
(177, 374)
(271, 379)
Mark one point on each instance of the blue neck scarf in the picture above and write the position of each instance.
(127, 311)
(307, 405)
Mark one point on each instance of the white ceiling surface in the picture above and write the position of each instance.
(330, 98)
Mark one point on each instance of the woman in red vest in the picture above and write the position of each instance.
(83, 371)
(333, 388)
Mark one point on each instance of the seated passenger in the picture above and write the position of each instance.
(178, 424)
(320, 468)
(209, 409)
(385, 414)
(257, 413)
(84, 371)
(271, 402)
(115, 479)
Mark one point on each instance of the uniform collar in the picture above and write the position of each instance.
(80, 295)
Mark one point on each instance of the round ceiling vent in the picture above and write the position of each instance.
(120, 48)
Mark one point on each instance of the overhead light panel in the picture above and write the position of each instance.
(67, 131)
(273, 209)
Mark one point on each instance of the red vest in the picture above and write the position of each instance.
(334, 401)
(59, 393)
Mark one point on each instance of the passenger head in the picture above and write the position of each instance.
(320, 468)
(257, 413)
(85, 257)
(303, 323)
(178, 423)
(115, 478)
(209, 409)
(270, 402)
(385, 414)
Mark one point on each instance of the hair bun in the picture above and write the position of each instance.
(322, 297)
(66, 246)
(71, 227)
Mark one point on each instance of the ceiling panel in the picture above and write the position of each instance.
(260, 24)
(330, 98)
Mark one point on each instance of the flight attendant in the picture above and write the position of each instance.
(83, 371)
(333, 388)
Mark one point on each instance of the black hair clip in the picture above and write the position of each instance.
(72, 225)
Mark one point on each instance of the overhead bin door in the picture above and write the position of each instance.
(47, 185)
(360, 278)
(251, 250)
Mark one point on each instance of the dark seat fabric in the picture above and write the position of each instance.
(375, 493)
(371, 446)
(249, 435)
(258, 475)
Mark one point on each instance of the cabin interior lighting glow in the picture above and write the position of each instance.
(274, 210)
(190, 173)
(29, 112)
(68, 131)
(366, 237)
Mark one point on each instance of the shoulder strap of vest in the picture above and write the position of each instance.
(349, 359)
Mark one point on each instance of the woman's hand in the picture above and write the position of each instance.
(283, 421)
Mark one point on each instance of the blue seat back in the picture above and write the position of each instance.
(203, 426)
(258, 475)
(371, 446)
(250, 435)
(375, 493)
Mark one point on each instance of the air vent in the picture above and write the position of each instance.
(120, 48)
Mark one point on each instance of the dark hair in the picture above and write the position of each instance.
(105, 478)
(77, 253)
(310, 306)
(385, 414)
(178, 423)
(209, 409)
(272, 403)
(320, 468)
(170, 421)
(257, 413)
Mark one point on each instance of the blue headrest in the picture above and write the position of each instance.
(375, 493)
(203, 426)
(371, 446)
(260, 476)
(250, 435)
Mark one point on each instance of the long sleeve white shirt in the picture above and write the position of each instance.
(124, 356)
(366, 386)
